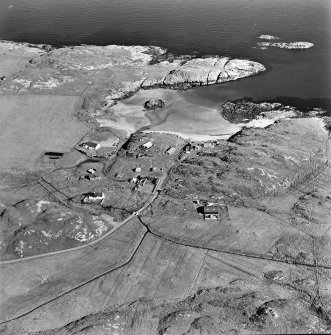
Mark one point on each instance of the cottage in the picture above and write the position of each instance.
(92, 177)
(91, 145)
(93, 197)
(148, 145)
(187, 148)
(171, 150)
(92, 171)
(207, 145)
(211, 212)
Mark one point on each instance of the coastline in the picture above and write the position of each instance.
(89, 70)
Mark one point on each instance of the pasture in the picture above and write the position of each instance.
(160, 271)
(31, 124)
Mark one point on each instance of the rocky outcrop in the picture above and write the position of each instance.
(245, 110)
(233, 309)
(268, 37)
(211, 70)
(285, 45)
(254, 162)
(154, 104)
(109, 73)
(47, 227)
(252, 114)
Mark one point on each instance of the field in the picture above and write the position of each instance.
(43, 279)
(247, 231)
(11, 64)
(32, 124)
(163, 272)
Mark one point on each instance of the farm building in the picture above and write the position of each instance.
(91, 145)
(53, 154)
(171, 150)
(147, 145)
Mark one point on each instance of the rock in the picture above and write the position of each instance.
(117, 71)
(284, 45)
(245, 110)
(206, 71)
(154, 104)
(268, 37)
(316, 112)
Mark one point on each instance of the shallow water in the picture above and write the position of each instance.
(227, 27)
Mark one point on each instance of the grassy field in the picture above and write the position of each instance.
(11, 64)
(160, 271)
(38, 280)
(31, 124)
(248, 231)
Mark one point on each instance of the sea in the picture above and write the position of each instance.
(200, 27)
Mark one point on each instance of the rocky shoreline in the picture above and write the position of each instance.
(285, 45)
(121, 69)
(246, 110)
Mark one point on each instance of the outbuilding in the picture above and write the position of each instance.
(93, 197)
(92, 171)
(171, 150)
(148, 145)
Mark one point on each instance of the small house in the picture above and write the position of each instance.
(92, 171)
(207, 145)
(93, 197)
(211, 212)
(91, 145)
